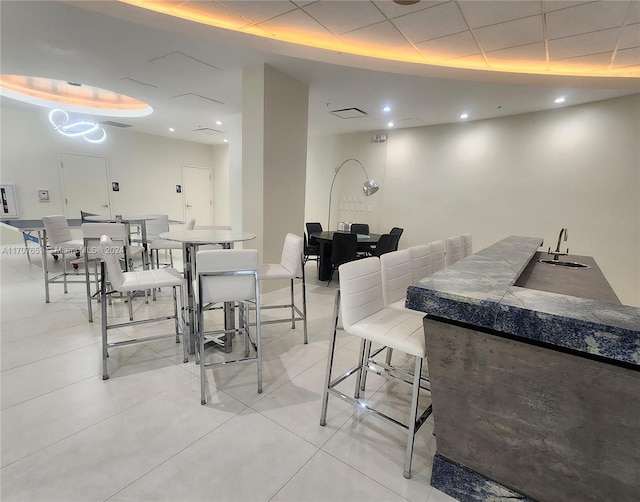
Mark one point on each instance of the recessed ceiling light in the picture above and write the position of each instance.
(171, 129)
(390, 124)
(72, 96)
(218, 122)
(386, 109)
(226, 140)
(559, 100)
(464, 116)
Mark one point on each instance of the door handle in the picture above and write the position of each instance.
(105, 205)
(189, 205)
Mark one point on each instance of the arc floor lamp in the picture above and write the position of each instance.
(369, 187)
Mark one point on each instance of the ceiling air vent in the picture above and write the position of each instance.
(115, 124)
(139, 82)
(349, 113)
(207, 130)
(198, 97)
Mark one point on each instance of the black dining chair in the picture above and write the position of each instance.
(311, 244)
(360, 228)
(385, 244)
(344, 248)
(396, 231)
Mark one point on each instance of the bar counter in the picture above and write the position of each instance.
(536, 393)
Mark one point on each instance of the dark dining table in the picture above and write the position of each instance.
(325, 240)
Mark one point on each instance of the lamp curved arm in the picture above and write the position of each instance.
(368, 188)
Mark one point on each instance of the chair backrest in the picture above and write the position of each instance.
(344, 248)
(190, 224)
(396, 231)
(467, 245)
(92, 232)
(108, 250)
(420, 261)
(395, 269)
(156, 226)
(384, 245)
(453, 250)
(291, 258)
(226, 275)
(310, 249)
(438, 261)
(360, 290)
(84, 214)
(313, 227)
(57, 229)
(360, 228)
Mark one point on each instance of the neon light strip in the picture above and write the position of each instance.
(75, 129)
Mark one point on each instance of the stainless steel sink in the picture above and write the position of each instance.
(570, 264)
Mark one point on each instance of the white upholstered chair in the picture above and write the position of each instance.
(60, 242)
(291, 268)
(395, 269)
(91, 234)
(154, 228)
(361, 305)
(228, 275)
(453, 250)
(467, 245)
(396, 273)
(438, 261)
(420, 256)
(128, 282)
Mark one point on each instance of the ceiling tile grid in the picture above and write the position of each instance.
(451, 46)
(350, 16)
(481, 13)
(441, 20)
(585, 18)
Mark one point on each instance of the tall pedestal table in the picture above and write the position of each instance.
(191, 239)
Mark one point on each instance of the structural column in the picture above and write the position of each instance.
(274, 158)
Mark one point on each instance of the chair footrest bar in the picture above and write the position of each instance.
(276, 321)
(392, 373)
(364, 407)
(343, 377)
(150, 338)
(141, 321)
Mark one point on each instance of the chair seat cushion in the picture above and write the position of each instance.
(72, 245)
(394, 328)
(165, 244)
(274, 271)
(148, 279)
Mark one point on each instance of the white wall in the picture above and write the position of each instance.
(576, 167)
(147, 167)
(325, 154)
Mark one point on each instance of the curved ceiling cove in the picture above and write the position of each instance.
(72, 96)
(523, 37)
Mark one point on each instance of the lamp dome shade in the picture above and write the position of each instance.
(370, 187)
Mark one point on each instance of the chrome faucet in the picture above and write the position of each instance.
(557, 252)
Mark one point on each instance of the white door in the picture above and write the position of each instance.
(85, 185)
(197, 194)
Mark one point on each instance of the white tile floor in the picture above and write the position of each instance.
(143, 435)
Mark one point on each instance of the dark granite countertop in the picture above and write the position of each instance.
(480, 291)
